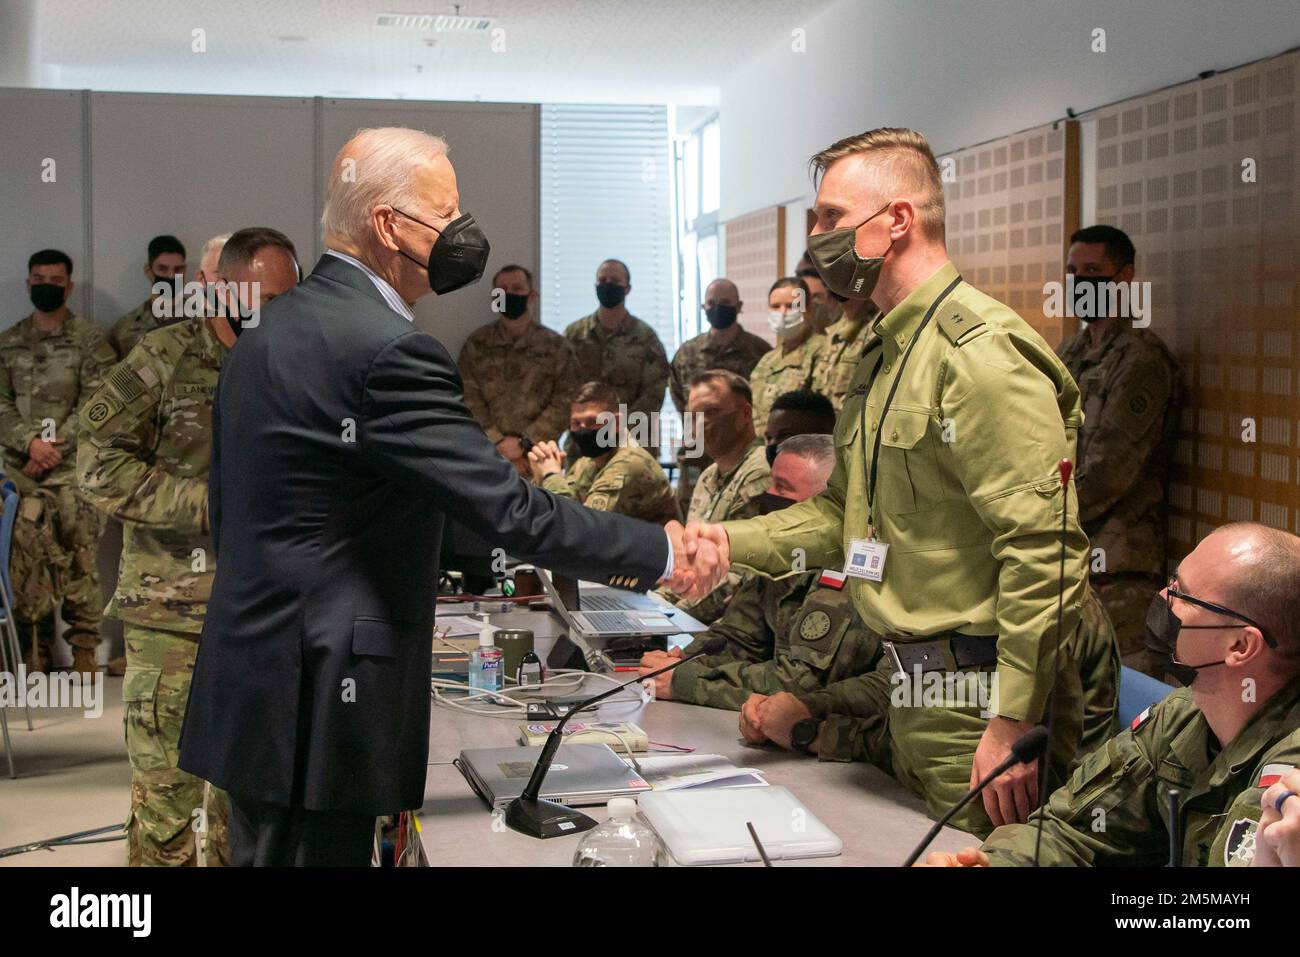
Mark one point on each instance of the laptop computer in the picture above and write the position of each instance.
(581, 774)
(571, 604)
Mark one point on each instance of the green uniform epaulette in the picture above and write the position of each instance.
(959, 323)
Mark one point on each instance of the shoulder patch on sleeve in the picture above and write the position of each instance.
(958, 322)
(1141, 719)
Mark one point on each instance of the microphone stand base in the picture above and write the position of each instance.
(543, 819)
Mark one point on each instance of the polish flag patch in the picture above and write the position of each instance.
(1272, 773)
(1140, 720)
(832, 579)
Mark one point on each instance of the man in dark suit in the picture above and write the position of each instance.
(340, 442)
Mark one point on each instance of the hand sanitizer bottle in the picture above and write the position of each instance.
(485, 662)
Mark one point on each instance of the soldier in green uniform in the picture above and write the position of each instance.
(613, 472)
(165, 269)
(727, 345)
(796, 635)
(790, 365)
(519, 376)
(846, 340)
(615, 347)
(146, 444)
(946, 507)
(1230, 621)
(49, 363)
(1129, 383)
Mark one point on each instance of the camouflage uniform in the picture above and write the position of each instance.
(863, 722)
(519, 386)
(631, 359)
(700, 355)
(146, 443)
(846, 340)
(1115, 808)
(44, 376)
(128, 330)
(628, 481)
(780, 372)
(789, 635)
(1130, 392)
(719, 498)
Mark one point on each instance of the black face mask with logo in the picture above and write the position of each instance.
(458, 257)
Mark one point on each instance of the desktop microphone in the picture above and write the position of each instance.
(1026, 748)
(530, 814)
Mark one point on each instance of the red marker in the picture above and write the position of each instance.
(1066, 468)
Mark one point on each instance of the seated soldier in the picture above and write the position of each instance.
(1228, 627)
(795, 634)
(802, 412)
(611, 473)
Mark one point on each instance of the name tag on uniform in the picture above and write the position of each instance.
(866, 559)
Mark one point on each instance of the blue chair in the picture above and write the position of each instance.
(1137, 692)
(10, 654)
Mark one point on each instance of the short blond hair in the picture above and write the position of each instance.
(907, 159)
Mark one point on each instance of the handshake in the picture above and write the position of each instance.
(701, 557)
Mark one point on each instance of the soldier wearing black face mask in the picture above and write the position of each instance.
(725, 345)
(165, 271)
(519, 376)
(1228, 624)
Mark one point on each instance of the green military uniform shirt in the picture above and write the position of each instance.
(146, 446)
(719, 497)
(790, 635)
(967, 497)
(1115, 808)
(519, 386)
(846, 340)
(628, 481)
(1128, 383)
(128, 330)
(705, 352)
(631, 359)
(44, 378)
(779, 372)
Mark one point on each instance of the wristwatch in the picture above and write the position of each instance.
(803, 734)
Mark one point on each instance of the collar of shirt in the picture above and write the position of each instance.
(898, 325)
(395, 302)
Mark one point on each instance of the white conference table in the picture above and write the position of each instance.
(878, 819)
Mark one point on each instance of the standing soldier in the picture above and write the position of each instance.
(165, 270)
(616, 348)
(518, 375)
(946, 505)
(727, 345)
(145, 447)
(49, 363)
(1128, 380)
(789, 366)
(847, 339)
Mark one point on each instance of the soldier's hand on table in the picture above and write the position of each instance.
(663, 683)
(1011, 798)
(780, 713)
(750, 713)
(659, 659)
(544, 458)
(1277, 836)
(966, 857)
(709, 551)
(45, 454)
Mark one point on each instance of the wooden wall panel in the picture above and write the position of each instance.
(1223, 256)
(755, 260)
(1011, 206)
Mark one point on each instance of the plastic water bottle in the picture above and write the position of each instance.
(622, 841)
(486, 662)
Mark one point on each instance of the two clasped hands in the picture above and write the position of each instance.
(701, 557)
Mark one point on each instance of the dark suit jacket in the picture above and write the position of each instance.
(340, 440)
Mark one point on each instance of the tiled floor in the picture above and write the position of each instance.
(73, 775)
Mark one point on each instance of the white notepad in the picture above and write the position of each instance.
(707, 826)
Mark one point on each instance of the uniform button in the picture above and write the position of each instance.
(885, 367)
(893, 436)
(874, 424)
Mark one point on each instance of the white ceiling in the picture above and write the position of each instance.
(657, 51)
